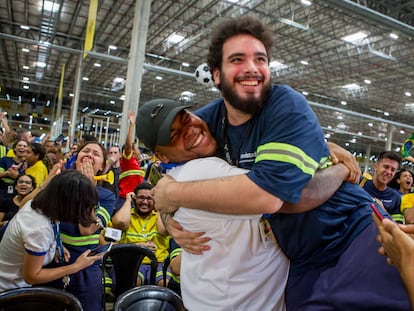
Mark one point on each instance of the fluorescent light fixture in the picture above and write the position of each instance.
(47, 104)
(305, 93)
(26, 67)
(355, 37)
(402, 132)
(97, 65)
(85, 78)
(71, 95)
(343, 103)
(26, 50)
(51, 6)
(158, 78)
(26, 87)
(119, 80)
(175, 38)
(386, 113)
(40, 64)
(122, 97)
(408, 94)
(370, 124)
(340, 117)
(306, 2)
(276, 66)
(304, 62)
(112, 102)
(292, 23)
(25, 79)
(351, 87)
(366, 81)
(393, 36)
(360, 133)
(33, 100)
(25, 27)
(112, 47)
(185, 64)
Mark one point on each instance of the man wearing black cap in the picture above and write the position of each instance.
(176, 135)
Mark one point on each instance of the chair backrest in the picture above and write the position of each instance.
(149, 298)
(38, 299)
(125, 260)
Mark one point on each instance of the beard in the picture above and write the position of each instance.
(252, 105)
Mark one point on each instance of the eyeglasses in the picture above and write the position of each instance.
(143, 197)
(27, 182)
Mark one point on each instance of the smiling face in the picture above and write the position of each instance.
(144, 202)
(92, 152)
(20, 149)
(244, 77)
(385, 170)
(190, 139)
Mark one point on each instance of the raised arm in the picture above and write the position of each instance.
(130, 135)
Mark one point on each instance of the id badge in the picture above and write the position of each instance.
(10, 190)
(266, 233)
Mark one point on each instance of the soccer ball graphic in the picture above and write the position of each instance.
(203, 75)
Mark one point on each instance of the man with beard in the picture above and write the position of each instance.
(385, 169)
(141, 225)
(271, 130)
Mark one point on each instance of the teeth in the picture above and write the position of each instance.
(249, 83)
(197, 141)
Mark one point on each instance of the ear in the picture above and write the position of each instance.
(216, 76)
(161, 157)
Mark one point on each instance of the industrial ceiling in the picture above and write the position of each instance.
(361, 89)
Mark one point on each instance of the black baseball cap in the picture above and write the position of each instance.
(154, 119)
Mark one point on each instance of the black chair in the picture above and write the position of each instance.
(122, 262)
(149, 298)
(38, 299)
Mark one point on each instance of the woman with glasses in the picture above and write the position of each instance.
(32, 237)
(86, 284)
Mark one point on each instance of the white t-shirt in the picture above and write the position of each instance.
(240, 271)
(28, 231)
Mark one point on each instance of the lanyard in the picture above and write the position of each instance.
(226, 142)
(59, 245)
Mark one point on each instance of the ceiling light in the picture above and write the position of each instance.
(370, 124)
(26, 87)
(304, 62)
(24, 27)
(175, 38)
(386, 113)
(118, 80)
(85, 78)
(112, 102)
(306, 2)
(51, 6)
(97, 65)
(40, 64)
(26, 50)
(122, 97)
(393, 36)
(71, 95)
(366, 81)
(344, 103)
(276, 66)
(407, 94)
(158, 78)
(26, 67)
(112, 47)
(186, 64)
(305, 93)
(351, 86)
(25, 79)
(402, 132)
(355, 37)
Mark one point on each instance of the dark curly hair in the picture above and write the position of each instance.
(247, 24)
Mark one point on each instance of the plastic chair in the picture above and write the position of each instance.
(124, 260)
(149, 298)
(38, 299)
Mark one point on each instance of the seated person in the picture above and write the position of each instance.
(142, 225)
